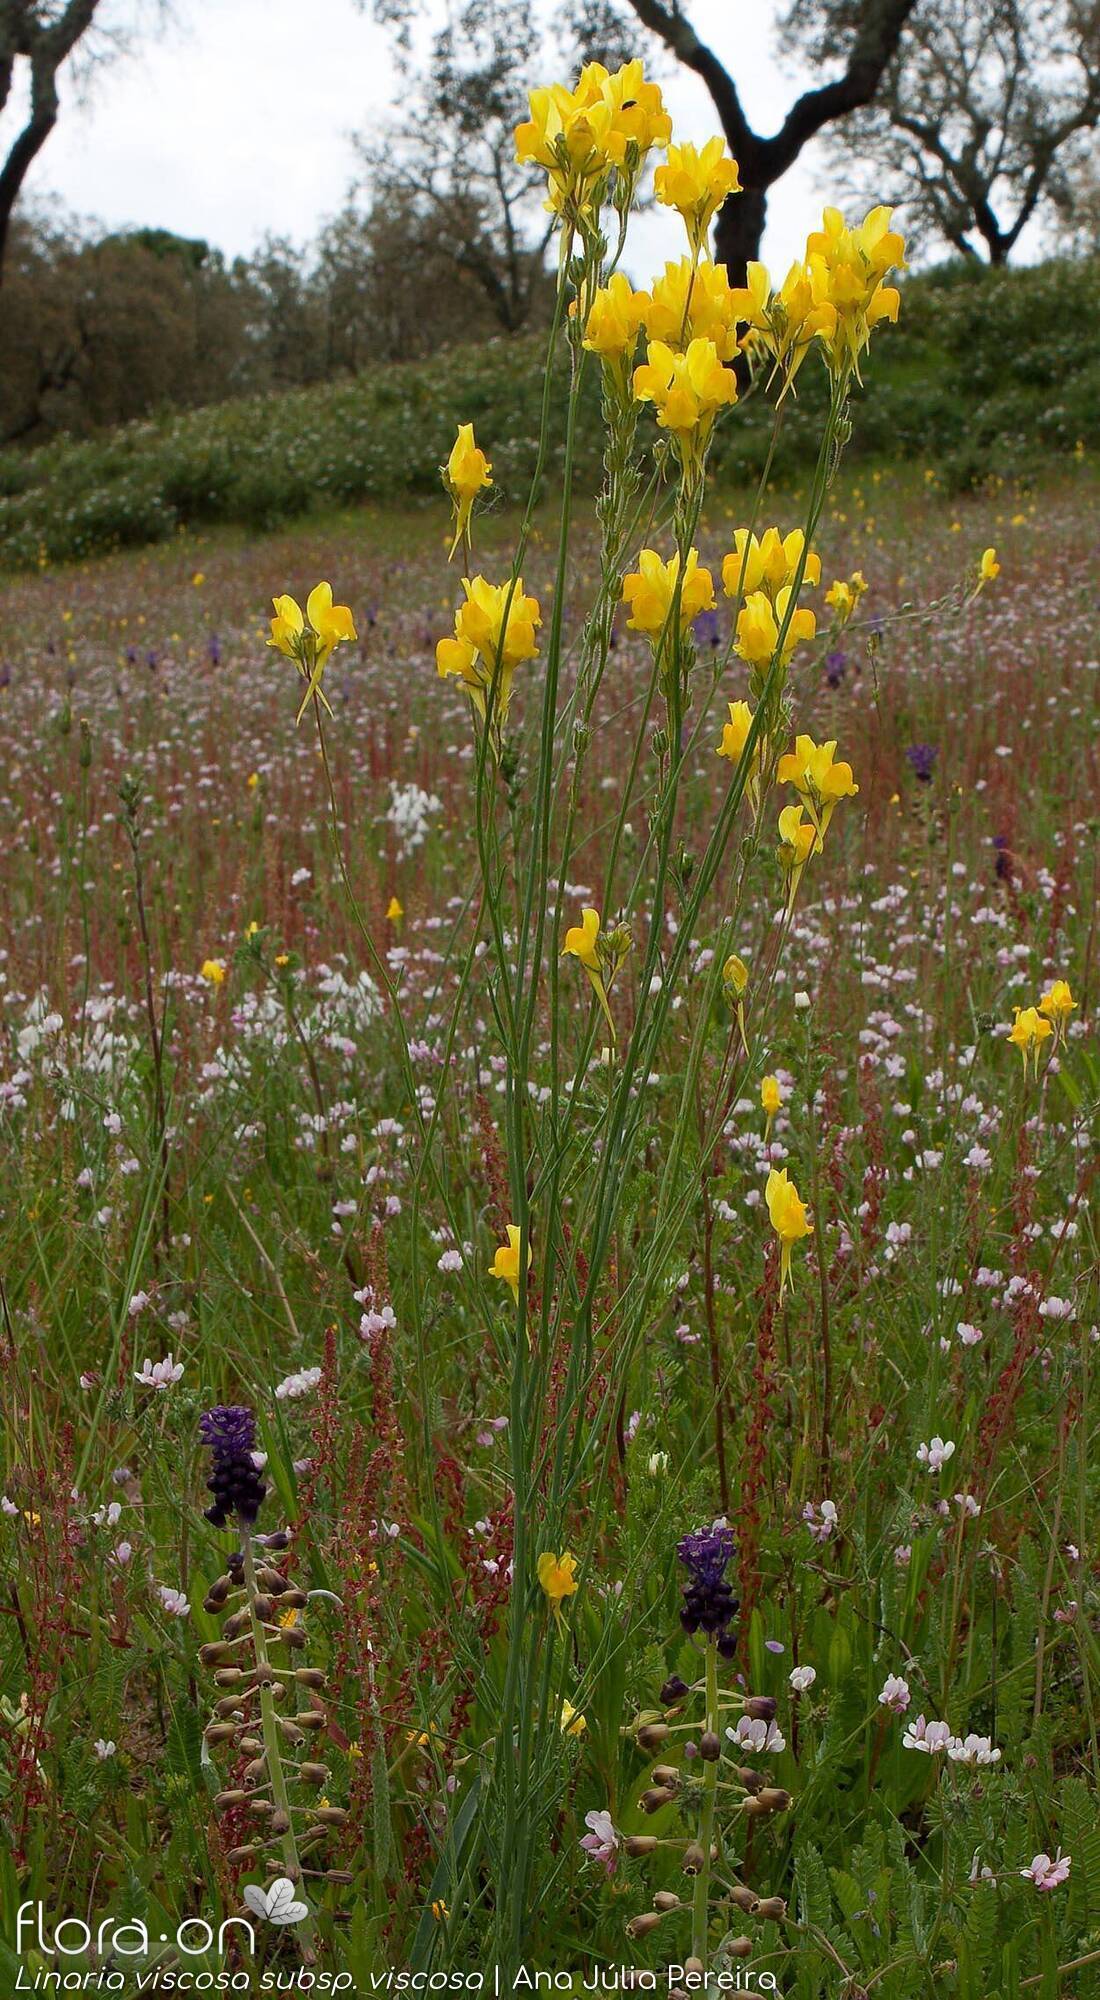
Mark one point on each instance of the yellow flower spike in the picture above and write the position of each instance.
(1028, 1032)
(760, 622)
(846, 267)
(789, 1219)
(783, 324)
(650, 592)
(494, 631)
(615, 319)
(573, 1723)
(797, 841)
(693, 301)
(735, 735)
(558, 1577)
(1056, 1006)
(466, 474)
(769, 563)
(213, 971)
(818, 780)
(505, 1264)
(771, 1101)
(687, 391)
(695, 182)
(579, 135)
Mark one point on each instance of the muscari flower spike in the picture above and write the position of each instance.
(229, 1431)
(709, 1602)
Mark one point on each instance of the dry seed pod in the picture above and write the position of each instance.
(313, 1774)
(295, 1600)
(219, 1590)
(773, 1799)
(637, 1844)
(227, 1677)
(241, 1857)
(224, 1800)
(291, 1635)
(665, 1899)
(264, 1608)
(280, 1820)
(252, 1746)
(761, 1708)
(311, 1718)
(738, 1947)
(710, 1747)
(310, 1677)
(219, 1732)
(771, 1908)
(657, 1796)
(693, 1858)
(652, 1735)
(752, 1780)
(331, 1815)
(215, 1654)
(640, 1927)
(745, 1899)
(230, 1704)
(254, 1771)
(237, 1623)
(260, 1806)
(665, 1774)
(272, 1580)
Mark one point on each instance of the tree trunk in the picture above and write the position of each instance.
(739, 231)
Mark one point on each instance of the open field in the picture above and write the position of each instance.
(226, 1145)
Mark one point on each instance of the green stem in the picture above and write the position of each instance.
(700, 1907)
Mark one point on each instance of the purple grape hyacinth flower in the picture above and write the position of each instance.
(709, 1602)
(229, 1431)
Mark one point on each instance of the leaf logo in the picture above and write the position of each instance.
(276, 1905)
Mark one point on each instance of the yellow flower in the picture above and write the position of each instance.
(767, 564)
(615, 318)
(735, 735)
(558, 1577)
(788, 1219)
(650, 592)
(693, 301)
(213, 971)
(843, 597)
(847, 267)
(759, 624)
(1056, 1005)
(579, 135)
(573, 1723)
(311, 641)
(695, 182)
(771, 1096)
(440, 1911)
(735, 979)
(785, 323)
(494, 630)
(580, 941)
(989, 567)
(797, 842)
(819, 782)
(466, 474)
(601, 953)
(505, 1264)
(687, 391)
(1028, 1032)
(394, 911)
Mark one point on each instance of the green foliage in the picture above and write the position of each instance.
(986, 374)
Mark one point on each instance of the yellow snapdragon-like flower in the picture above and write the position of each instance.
(213, 971)
(1029, 1030)
(606, 121)
(557, 1574)
(466, 474)
(768, 563)
(771, 1101)
(687, 391)
(1056, 1006)
(988, 568)
(760, 622)
(693, 301)
(695, 182)
(797, 841)
(735, 979)
(601, 953)
(505, 1264)
(615, 318)
(650, 592)
(844, 594)
(789, 1219)
(847, 266)
(311, 640)
(494, 631)
(819, 781)
(735, 735)
(785, 323)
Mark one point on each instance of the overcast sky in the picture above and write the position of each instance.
(236, 118)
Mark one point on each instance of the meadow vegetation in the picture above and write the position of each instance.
(559, 1112)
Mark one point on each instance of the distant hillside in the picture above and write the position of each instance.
(987, 373)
